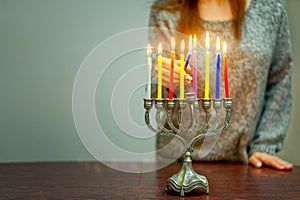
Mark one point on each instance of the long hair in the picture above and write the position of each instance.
(189, 22)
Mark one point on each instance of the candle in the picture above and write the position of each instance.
(195, 86)
(182, 70)
(172, 68)
(159, 72)
(218, 69)
(149, 71)
(225, 71)
(206, 93)
(189, 53)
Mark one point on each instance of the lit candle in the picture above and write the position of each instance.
(172, 68)
(149, 71)
(206, 93)
(225, 71)
(195, 86)
(182, 70)
(159, 72)
(189, 53)
(218, 69)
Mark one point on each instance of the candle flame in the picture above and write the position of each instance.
(224, 47)
(218, 44)
(149, 50)
(182, 46)
(190, 44)
(207, 40)
(173, 43)
(195, 41)
(159, 48)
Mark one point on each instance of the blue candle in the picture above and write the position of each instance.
(187, 61)
(189, 53)
(218, 69)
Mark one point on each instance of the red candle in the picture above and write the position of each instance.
(172, 69)
(225, 71)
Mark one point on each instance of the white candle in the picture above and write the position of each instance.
(149, 71)
(206, 92)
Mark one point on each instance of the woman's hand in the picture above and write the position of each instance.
(166, 66)
(258, 159)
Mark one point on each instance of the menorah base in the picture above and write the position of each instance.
(187, 180)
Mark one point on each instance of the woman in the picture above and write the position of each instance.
(260, 66)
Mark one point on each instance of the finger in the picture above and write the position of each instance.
(188, 69)
(270, 160)
(166, 62)
(255, 161)
(188, 77)
(176, 77)
(176, 82)
(166, 79)
(166, 74)
(287, 165)
(166, 71)
(166, 84)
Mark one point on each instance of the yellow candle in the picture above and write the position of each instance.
(182, 70)
(206, 93)
(159, 72)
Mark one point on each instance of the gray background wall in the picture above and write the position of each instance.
(42, 45)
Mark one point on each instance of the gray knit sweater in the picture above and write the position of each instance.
(259, 68)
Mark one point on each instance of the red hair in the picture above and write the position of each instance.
(189, 22)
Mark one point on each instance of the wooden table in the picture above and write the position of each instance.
(92, 180)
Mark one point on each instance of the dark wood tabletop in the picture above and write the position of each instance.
(93, 180)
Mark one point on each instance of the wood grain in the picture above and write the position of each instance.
(92, 180)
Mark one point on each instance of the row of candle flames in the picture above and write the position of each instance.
(183, 66)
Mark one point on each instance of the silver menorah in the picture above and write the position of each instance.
(187, 180)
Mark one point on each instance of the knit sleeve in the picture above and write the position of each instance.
(275, 117)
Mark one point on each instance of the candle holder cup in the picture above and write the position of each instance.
(187, 180)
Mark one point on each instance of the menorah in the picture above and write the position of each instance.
(187, 180)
